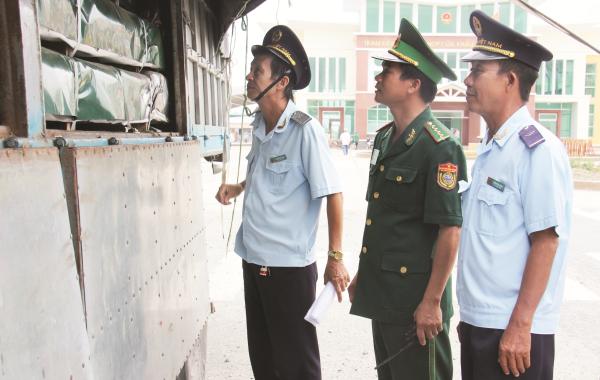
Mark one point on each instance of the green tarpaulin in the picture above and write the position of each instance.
(89, 91)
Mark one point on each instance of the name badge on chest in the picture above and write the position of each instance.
(498, 185)
(280, 158)
(374, 156)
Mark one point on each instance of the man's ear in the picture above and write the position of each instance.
(415, 86)
(511, 79)
(283, 82)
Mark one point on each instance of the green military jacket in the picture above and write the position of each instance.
(413, 188)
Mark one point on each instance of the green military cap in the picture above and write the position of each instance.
(410, 48)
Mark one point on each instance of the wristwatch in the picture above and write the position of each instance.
(337, 255)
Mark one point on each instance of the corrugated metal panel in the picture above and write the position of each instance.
(42, 327)
(143, 256)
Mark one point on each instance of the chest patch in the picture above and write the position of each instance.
(447, 175)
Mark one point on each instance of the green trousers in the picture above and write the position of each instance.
(430, 362)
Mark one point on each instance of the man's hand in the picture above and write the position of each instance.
(428, 318)
(227, 192)
(336, 272)
(352, 288)
(514, 350)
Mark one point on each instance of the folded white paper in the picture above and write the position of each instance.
(317, 311)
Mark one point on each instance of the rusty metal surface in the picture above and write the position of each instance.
(143, 257)
(42, 327)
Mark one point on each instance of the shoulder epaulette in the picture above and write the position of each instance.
(437, 133)
(300, 117)
(531, 136)
(385, 127)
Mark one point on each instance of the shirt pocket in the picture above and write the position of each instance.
(401, 188)
(405, 276)
(283, 176)
(498, 212)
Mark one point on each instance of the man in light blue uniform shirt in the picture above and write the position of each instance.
(516, 216)
(290, 170)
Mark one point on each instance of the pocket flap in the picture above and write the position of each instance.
(405, 263)
(401, 175)
(492, 196)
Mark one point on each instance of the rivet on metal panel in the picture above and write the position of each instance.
(11, 143)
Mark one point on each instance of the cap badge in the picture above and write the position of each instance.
(477, 26)
(276, 36)
(396, 43)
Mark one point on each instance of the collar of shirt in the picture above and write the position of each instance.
(510, 126)
(260, 127)
(417, 124)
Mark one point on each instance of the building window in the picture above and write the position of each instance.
(591, 121)
(504, 9)
(342, 74)
(377, 117)
(446, 19)
(389, 16)
(331, 76)
(520, 20)
(372, 15)
(312, 86)
(406, 11)
(558, 83)
(425, 18)
(555, 78)
(328, 74)
(590, 79)
(569, 77)
(465, 13)
(452, 59)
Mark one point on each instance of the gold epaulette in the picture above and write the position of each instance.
(437, 133)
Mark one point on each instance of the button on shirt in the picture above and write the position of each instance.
(289, 171)
(515, 191)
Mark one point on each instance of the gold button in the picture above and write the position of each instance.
(403, 270)
(364, 249)
(376, 195)
(369, 221)
(399, 178)
(381, 168)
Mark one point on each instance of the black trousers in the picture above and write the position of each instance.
(282, 345)
(479, 355)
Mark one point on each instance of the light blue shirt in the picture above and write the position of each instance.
(289, 171)
(530, 189)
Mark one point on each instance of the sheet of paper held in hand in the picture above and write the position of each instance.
(319, 308)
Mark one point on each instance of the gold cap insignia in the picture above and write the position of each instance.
(276, 36)
(477, 26)
(396, 43)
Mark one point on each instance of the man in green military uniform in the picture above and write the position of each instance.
(413, 219)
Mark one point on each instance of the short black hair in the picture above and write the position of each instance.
(428, 89)
(527, 75)
(278, 70)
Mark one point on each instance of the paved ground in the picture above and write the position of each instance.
(345, 340)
